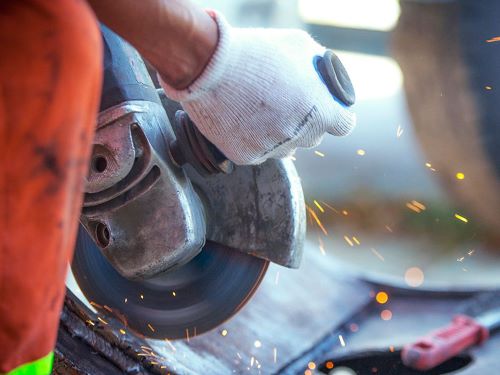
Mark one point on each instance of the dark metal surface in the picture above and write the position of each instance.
(188, 301)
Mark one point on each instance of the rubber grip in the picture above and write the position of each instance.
(440, 345)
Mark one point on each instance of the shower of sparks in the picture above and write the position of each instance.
(321, 246)
(341, 339)
(462, 218)
(356, 240)
(348, 240)
(318, 221)
(319, 206)
(257, 344)
(101, 320)
(319, 154)
(277, 278)
(122, 331)
(460, 176)
(275, 354)
(399, 131)
(494, 39)
(330, 207)
(377, 254)
(388, 228)
(361, 152)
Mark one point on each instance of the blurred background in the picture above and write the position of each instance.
(411, 197)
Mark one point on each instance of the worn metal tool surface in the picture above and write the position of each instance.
(155, 194)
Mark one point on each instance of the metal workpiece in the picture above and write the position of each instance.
(258, 210)
(139, 208)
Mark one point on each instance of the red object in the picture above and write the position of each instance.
(50, 81)
(444, 343)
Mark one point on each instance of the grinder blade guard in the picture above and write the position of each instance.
(154, 195)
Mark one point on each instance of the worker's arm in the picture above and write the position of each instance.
(175, 36)
(254, 93)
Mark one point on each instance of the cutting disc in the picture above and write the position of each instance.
(190, 300)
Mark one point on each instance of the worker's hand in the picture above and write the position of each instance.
(260, 95)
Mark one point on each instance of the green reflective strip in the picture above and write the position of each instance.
(42, 366)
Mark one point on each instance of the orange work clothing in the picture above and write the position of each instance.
(50, 82)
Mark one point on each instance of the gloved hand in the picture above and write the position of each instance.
(260, 95)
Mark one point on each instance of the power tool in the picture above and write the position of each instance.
(174, 238)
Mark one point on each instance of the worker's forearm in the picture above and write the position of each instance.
(176, 36)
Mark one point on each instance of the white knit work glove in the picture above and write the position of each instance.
(260, 95)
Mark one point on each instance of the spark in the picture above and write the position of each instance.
(399, 131)
(239, 355)
(319, 206)
(316, 218)
(461, 259)
(153, 363)
(319, 154)
(348, 240)
(462, 218)
(122, 331)
(307, 372)
(142, 296)
(173, 294)
(494, 39)
(151, 327)
(413, 208)
(361, 152)
(344, 212)
(341, 339)
(464, 269)
(252, 360)
(356, 240)
(170, 345)
(311, 365)
(386, 314)
(382, 298)
(471, 252)
(95, 304)
(257, 344)
(187, 334)
(388, 228)
(329, 365)
(377, 254)
(487, 87)
(102, 320)
(224, 332)
(460, 176)
(107, 308)
(321, 246)
(293, 158)
(275, 354)
(330, 207)
(428, 165)
(277, 278)
(126, 300)
(419, 205)
(91, 322)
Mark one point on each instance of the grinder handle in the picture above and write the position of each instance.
(440, 345)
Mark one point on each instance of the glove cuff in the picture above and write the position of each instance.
(214, 70)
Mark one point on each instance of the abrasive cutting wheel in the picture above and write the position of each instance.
(193, 299)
